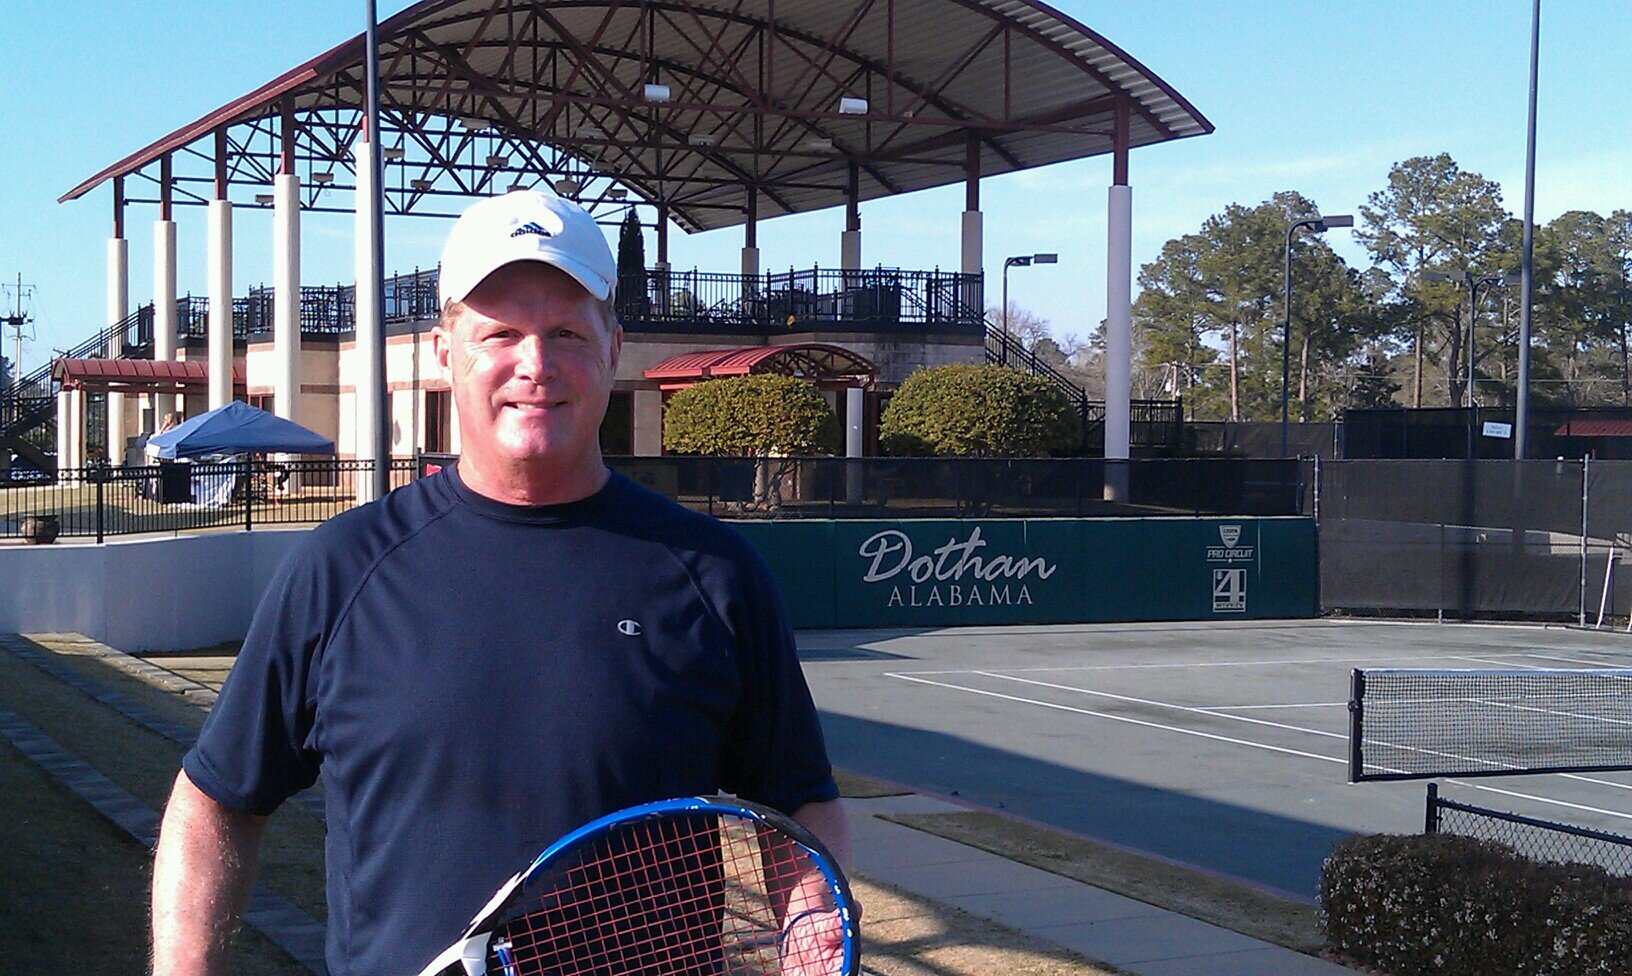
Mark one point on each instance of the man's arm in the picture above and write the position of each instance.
(202, 873)
(827, 820)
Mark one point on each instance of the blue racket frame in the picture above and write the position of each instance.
(472, 947)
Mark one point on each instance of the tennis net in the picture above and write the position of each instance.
(1418, 723)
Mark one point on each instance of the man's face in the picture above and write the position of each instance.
(531, 359)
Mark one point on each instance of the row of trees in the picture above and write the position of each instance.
(1208, 321)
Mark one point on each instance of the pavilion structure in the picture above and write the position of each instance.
(702, 115)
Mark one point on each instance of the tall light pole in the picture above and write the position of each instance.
(1319, 225)
(374, 359)
(1473, 283)
(1023, 261)
(1521, 425)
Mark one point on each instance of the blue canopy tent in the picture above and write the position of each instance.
(237, 428)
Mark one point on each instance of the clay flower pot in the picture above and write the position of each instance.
(41, 529)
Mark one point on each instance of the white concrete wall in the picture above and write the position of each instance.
(139, 595)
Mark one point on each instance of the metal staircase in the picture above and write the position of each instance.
(28, 410)
(1155, 425)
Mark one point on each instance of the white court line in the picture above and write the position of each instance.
(1184, 664)
(1257, 745)
(1240, 708)
(1290, 728)
(1576, 660)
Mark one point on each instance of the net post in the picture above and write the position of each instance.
(1357, 692)
(1431, 819)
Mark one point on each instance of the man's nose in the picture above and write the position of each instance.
(534, 358)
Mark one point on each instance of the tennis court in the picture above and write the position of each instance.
(1223, 746)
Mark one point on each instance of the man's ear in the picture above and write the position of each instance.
(442, 350)
(617, 348)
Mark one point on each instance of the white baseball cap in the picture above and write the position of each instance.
(525, 225)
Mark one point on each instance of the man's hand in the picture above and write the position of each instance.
(203, 869)
(813, 944)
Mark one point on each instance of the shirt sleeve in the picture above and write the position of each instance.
(255, 749)
(775, 754)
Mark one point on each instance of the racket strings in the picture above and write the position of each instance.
(675, 896)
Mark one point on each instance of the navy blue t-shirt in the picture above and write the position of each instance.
(472, 680)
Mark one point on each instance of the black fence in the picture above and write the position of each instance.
(1530, 539)
(1538, 840)
(102, 501)
(972, 487)
(1486, 433)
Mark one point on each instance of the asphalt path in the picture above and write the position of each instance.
(1218, 745)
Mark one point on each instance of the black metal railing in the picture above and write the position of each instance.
(1538, 840)
(875, 300)
(102, 500)
(1152, 424)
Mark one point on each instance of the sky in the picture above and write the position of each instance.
(1318, 96)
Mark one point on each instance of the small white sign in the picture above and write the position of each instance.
(1229, 591)
(1504, 431)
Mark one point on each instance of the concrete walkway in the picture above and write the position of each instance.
(1096, 923)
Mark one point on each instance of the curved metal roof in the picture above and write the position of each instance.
(815, 361)
(785, 97)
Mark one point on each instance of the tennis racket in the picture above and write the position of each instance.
(687, 887)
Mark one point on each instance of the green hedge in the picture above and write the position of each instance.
(1455, 906)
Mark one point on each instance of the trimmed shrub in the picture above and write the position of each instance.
(750, 416)
(978, 411)
(1456, 906)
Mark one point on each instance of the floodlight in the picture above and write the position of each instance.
(656, 93)
(852, 106)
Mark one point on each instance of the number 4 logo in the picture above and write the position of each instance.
(1229, 591)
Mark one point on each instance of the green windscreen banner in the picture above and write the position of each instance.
(916, 573)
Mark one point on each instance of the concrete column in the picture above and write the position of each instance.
(164, 308)
(1118, 337)
(286, 297)
(370, 335)
(118, 311)
(648, 409)
(65, 431)
(974, 242)
(850, 250)
(855, 399)
(750, 280)
(750, 261)
(220, 328)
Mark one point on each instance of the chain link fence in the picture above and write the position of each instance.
(1538, 840)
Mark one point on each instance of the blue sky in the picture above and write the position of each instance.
(1317, 96)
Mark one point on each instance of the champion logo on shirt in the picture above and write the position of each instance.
(531, 227)
(629, 628)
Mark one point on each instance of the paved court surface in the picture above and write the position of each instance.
(1219, 745)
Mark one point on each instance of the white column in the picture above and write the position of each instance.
(118, 310)
(750, 261)
(286, 299)
(65, 430)
(369, 337)
(648, 408)
(850, 250)
(1118, 338)
(220, 330)
(974, 249)
(164, 308)
(854, 416)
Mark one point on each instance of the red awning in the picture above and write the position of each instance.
(136, 375)
(819, 362)
(1595, 428)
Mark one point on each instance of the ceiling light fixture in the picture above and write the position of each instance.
(498, 162)
(656, 93)
(323, 178)
(392, 152)
(852, 106)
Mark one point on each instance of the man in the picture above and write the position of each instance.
(482, 661)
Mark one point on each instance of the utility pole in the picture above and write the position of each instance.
(17, 321)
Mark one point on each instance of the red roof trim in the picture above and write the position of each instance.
(1595, 428)
(80, 373)
(715, 363)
